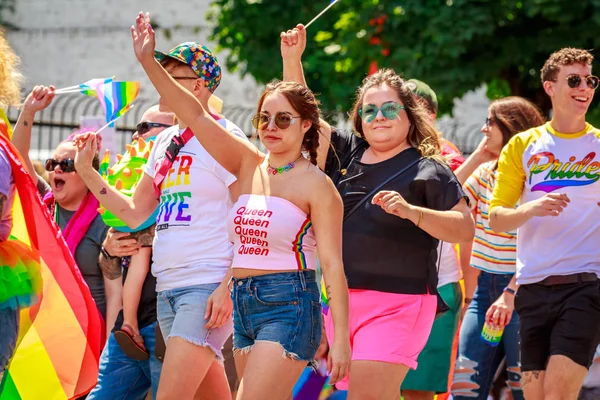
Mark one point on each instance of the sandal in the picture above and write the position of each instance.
(131, 343)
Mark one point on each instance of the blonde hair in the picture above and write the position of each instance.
(422, 134)
(10, 78)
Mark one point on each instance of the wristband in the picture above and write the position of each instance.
(468, 300)
(509, 290)
(105, 254)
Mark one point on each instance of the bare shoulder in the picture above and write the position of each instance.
(322, 188)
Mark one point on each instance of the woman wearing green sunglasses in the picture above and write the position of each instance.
(390, 231)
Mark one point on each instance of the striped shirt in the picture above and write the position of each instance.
(492, 252)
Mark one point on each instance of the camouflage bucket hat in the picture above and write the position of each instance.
(199, 58)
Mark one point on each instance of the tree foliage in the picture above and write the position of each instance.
(454, 45)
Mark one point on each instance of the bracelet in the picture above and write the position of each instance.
(420, 218)
(509, 290)
(468, 300)
(106, 254)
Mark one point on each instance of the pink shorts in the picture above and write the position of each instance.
(387, 327)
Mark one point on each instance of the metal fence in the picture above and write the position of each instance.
(63, 117)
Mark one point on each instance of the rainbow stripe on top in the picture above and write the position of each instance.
(297, 244)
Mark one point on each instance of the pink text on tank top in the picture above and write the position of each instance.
(271, 233)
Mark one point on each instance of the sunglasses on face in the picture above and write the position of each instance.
(389, 110)
(66, 165)
(575, 80)
(144, 127)
(283, 120)
(489, 122)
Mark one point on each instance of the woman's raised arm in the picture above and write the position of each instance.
(232, 152)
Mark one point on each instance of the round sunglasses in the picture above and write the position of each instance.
(389, 110)
(144, 127)
(283, 120)
(66, 165)
(574, 81)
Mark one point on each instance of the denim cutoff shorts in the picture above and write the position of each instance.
(282, 308)
(181, 313)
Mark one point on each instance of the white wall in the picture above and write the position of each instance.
(66, 42)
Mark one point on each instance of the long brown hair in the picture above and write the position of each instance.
(513, 115)
(422, 134)
(304, 102)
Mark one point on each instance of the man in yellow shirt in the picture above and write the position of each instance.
(554, 169)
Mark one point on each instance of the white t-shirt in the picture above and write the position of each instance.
(540, 161)
(191, 246)
(449, 267)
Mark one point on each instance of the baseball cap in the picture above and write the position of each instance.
(200, 59)
(423, 90)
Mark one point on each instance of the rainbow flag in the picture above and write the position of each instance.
(116, 98)
(61, 337)
(313, 385)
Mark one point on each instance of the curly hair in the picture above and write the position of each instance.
(10, 78)
(304, 102)
(422, 134)
(563, 57)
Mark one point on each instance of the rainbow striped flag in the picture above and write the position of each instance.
(116, 98)
(61, 337)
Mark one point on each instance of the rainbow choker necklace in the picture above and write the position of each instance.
(281, 170)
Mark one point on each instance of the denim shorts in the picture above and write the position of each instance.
(282, 308)
(181, 314)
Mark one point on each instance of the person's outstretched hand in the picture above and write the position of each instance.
(144, 40)
(39, 99)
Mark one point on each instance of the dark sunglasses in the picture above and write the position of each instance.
(389, 110)
(575, 80)
(489, 122)
(144, 127)
(66, 165)
(283, 120)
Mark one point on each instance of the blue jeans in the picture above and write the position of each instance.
(123, 378)
(9, 332)
(282, 308)
(181, 314)
(477, 361)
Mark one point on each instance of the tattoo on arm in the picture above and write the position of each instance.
(3, 199)
(328, 291)
(103, 190)
(111, 269)
(25, 123)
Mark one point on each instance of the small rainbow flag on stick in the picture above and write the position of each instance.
(116, 98)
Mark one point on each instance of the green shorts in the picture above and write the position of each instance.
(434, 361)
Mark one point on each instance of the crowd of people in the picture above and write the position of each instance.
(384, 221)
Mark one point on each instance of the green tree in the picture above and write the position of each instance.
(454, 45)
